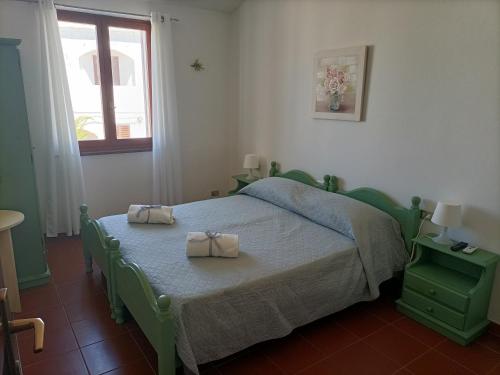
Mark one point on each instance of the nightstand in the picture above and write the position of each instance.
(242, 181)
(448, 291)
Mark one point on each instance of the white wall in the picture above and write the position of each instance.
(203, 99)
(110, 188)
(433, 92)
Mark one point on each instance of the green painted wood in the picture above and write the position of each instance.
(453, 284)
(97, 247)
(479, 257)
(151, 314)
(408, 218)
(433, 308)
(241, 181)
(128, 287)
(433, 273)
(300, 176)
(439, 289)
(10, 42)
(462, 337)
(34, 280)
(113, 256)
(17, 176)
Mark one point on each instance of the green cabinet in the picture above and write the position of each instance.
(17, 176)
(242, 181)
(448, 291)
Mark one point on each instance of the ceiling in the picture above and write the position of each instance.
(227, 6)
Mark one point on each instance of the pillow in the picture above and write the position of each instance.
(331, 210)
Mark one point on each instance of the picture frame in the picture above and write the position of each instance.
(338, 83)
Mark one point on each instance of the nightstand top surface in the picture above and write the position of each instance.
(244, 178)
(479, 257)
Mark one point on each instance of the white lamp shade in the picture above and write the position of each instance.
(447, 214)
(251, 161)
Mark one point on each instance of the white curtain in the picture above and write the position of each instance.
(64, 191)
(167, 173)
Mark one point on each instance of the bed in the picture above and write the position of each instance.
(305, 253)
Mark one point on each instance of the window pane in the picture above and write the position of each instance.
(79, 43)
(130, 83)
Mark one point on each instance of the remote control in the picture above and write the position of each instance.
(459, 246)
(469, 249)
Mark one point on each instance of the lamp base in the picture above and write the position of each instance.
(443, 238)
(250, 176)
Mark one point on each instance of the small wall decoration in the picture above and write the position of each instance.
(339, 76)
(197, 65)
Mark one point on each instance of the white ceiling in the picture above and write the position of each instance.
(227, 6)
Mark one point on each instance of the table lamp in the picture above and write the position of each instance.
(251, 162)
(446, 215)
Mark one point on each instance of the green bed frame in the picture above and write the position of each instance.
(127, 285)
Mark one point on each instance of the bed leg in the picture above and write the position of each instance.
(112, 303)
(88, 261)
(166, 353)
(85, 225)
(87, 257)
(166, 364)
(117, 306)
(112, 307)
(118, 311)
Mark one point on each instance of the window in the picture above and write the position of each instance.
(107, 62)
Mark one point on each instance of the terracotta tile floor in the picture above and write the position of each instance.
(369, 338)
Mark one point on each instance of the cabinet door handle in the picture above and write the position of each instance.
(432, 292)
(429, 309)
(37, 324)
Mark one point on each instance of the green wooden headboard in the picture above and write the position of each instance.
(408, 218)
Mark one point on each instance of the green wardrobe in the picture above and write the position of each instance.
(17, 174)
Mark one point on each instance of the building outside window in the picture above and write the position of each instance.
(107, 63)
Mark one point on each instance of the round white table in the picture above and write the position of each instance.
(8, 220)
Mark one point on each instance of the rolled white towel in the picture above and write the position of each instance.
(150, 214)
(204, 244)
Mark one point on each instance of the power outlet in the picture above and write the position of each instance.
(214, 194)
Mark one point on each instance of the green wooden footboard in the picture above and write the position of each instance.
(127, 286)
(96, 247)
(151, 314)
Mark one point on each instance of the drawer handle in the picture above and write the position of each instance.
(432, 292)
(429, 309)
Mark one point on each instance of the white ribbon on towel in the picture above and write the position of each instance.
(147, 207)
(212, 237)
(219, 244)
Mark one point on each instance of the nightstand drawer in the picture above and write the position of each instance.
(433, 309)
(440, 294)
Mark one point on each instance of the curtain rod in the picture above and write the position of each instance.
(100, 11)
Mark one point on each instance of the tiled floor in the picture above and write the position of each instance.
(370, 338)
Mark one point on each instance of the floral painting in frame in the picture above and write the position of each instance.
(338, 83)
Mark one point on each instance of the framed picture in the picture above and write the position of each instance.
(338, 83)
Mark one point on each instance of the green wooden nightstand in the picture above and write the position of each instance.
(448, 291)
(242, 181)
